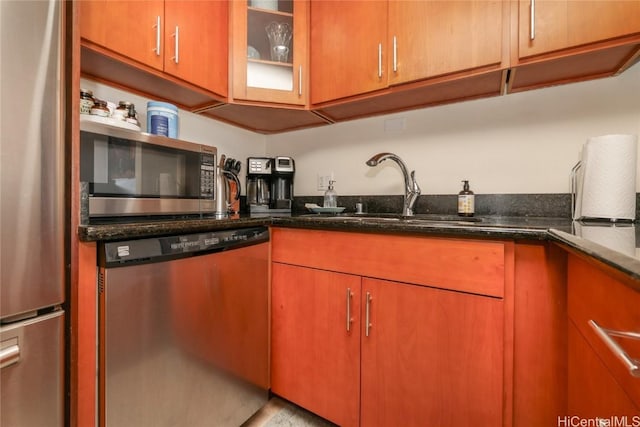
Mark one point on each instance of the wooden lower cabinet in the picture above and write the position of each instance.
(315, 360)
(593, 392)
(604, 325)
(432, 358)
(427, 357)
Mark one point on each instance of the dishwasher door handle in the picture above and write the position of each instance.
(10, 355)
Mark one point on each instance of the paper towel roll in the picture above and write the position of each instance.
(607, 187)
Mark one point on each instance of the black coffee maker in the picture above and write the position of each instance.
(270, 185)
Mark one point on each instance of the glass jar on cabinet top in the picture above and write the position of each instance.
(273, 47)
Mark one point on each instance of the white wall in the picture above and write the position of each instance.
(519, 143)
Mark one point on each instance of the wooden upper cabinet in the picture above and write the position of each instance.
(145, 31)
(564, 41)
(432, 38)
(256, 74)
(129, 28)
(196, 43)
(348, 48)
(362, 46)
(546, 26)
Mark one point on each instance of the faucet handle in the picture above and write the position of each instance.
(414, 184)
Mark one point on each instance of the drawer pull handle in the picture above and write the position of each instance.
(176, 36)
(606, 334)
(379, 60)
(158, 31)
(367, 315)
(532, 24)
(349, 319)
(395, 54)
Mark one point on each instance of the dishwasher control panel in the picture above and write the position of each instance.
(142, 251)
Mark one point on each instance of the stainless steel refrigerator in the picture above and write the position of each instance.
(32, 214)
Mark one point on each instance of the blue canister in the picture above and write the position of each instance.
(162, 119)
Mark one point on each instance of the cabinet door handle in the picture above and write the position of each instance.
(605, 335)
(395, 54)
(157, 27)
(532, 24)
(367, 314)
(176, 36)
(349, 319)
(379, 60)
(300, 81)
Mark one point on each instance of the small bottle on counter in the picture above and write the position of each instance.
(330, 196)
(466, 200)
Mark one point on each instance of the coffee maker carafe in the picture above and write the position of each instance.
(270, 185)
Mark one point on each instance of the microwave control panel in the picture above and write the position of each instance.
(207, 176)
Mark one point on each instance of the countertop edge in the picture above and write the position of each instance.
(626, 264)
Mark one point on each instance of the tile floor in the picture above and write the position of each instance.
(280, 413)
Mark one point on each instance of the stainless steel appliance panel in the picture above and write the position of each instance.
(132, 173)
(32, 214)
(270, 185)
(32, 217)
(31, 372)
(184, 342)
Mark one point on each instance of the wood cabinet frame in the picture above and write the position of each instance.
(381, 256)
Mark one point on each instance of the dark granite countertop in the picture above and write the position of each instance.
(615, 245)
(140, 228)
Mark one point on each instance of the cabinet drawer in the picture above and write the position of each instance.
(601, 307)
(593, 392)
(462, 265)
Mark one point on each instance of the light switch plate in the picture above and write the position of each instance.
(323, 180)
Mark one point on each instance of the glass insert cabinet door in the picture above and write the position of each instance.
(270, 50)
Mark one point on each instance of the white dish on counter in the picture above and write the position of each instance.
(320, 209)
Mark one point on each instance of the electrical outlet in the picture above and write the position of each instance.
(323, 180)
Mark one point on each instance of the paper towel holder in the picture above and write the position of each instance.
(603, 181)
(574, 188)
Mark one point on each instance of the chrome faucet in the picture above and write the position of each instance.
(411, 187)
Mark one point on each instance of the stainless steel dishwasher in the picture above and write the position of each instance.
(184, 329)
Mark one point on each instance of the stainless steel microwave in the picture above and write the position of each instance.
(126, 173)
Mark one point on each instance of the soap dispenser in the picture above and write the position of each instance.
(466, 200)
(330, 196)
